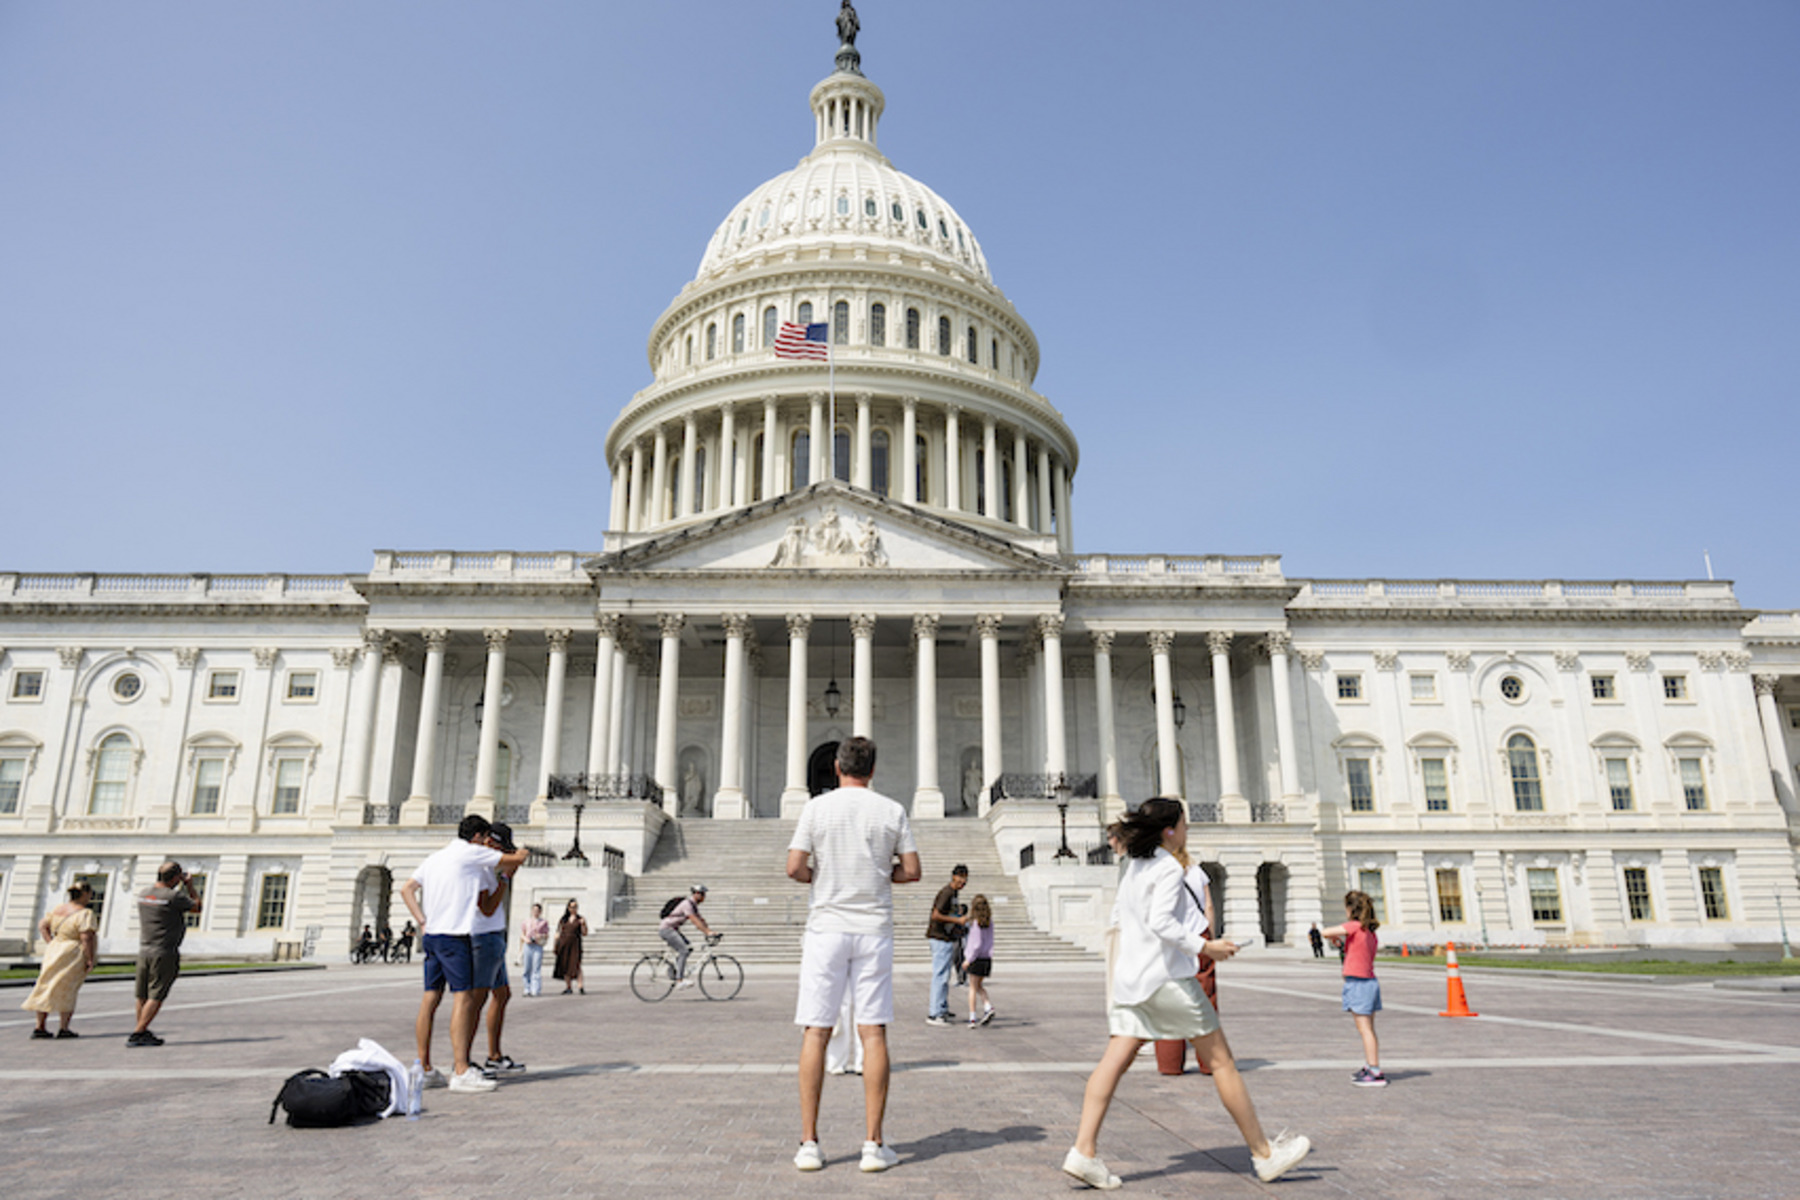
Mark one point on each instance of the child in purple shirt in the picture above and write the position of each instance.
(978, 959)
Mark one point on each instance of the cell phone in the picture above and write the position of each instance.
(1243, 941)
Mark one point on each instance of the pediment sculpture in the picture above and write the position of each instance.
(828, 542)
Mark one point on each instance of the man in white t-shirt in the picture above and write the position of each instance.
(853, 837)
(444, 897)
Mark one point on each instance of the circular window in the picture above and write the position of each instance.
(1512, 687)
(127, 686)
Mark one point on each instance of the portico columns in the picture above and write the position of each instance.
(909, 451)
(668, 686)
(622, 740)
(726, 468)
(1112, 803)
(599, 757)
(771, 487)
(1168, 754)
(417, 809)
(862, 474)
(1773, 744)
(487, 757)
(1231, 790)
(862, 684)
(990, 472)
(1056, 750)
(553, 709)
(361, 748)
(1278, 644)
(728, 801)
(794, 795)
(928, 797)
(988, 626)
(659, 479)
(820, 452)
(952, 458)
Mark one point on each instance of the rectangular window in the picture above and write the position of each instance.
(1794, 716)
(222, 685)
(303, 685)
(1712, 894)
(209, 783)
(12, 783)
(1618, 782)
(1546, 895)
(28, 685)
(1604, 688)
(1449, 889)
(98, 883)
(1424, 688)
(1675, 687)
(290, 773)
(1693, 784)
(1370, 882)
(271, 903)
(1349, 687)
(1637, 894)
(1362, 784)
(1437, 784)
(199, 878)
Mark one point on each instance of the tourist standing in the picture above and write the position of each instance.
(1318, 940)
(852, 845)
(534, 933)
(72, 947)
(1362, 991)
(162, 923)
(1154, 994)
(569, 932)
(978, 959)
(942, 931)
(489, 945)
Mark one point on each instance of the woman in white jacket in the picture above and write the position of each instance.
(1155, 994)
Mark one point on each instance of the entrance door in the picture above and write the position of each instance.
(1215, 889)
(1271, 901)
(821, 773)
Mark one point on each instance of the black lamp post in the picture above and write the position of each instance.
(1060, 785)
(575, 790)
(834, 699)
(1180, 711)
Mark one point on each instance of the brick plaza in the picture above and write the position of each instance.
(1562, 1088)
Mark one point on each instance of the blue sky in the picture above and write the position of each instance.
(1473, 290)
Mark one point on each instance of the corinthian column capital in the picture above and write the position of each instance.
(799, 625)
(1765, 684)
(988, 625)
(1103, 640)
(671, 624)
(1277, 641)
(1050, 625)
(862, 625)
(1160, 641)
(925, 625)
(496, 638)
(1218, 641)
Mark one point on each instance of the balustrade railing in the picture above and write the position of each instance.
(604, 787)
(1266, 811)
(1045, 787)
(445, 814)
(381, 814)
(1205, 812)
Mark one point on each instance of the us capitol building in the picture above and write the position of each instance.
(885, 545)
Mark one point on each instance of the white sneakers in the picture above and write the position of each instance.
(434, 1078)
(1285, 1154)
(472, 1080)
(1090, 1171)
(684, 983)
(877, 1157)
(809, 1158)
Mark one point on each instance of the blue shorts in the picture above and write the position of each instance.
(1362, 996)
(449, 961)
(490, 959)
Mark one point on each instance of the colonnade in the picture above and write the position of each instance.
(624, 662)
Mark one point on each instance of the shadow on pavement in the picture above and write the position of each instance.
(964, 1141)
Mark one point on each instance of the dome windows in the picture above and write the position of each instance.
(943, 338)
(805, 313)
(912, 329)
(923, 223)
(744, 225)
(943, 229)
(712, 341)
(762, 218)
(843, 205)
(771, 325)
(973, 347)
(899, 214)
(878, 462)
(840, 323)
(878, 325)
(737, 334)
(870, 208)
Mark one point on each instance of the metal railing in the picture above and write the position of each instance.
(445, 814)
(604, 787)
(1205, 812)
(1046, 787)
(381, 814)
(1267, 811)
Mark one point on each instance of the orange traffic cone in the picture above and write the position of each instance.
(1405, 950)
(1458, 1002)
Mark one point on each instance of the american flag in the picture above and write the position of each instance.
(794, 340)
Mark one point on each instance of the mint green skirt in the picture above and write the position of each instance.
(1176, 1011)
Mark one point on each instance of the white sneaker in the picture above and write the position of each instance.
(1285, 1154)
(877, 1157)
(1090, 1171)
(435, 1078)
(809, 1158)
(472, 1080)
(940, 1022)
(685, 983)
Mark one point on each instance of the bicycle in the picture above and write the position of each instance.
(720, 976)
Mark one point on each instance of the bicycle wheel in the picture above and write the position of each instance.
(650, 978)
(721, 977)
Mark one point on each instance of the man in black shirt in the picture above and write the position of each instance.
(162, 923)
(946, 924)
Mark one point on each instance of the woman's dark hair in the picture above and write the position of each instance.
(1361, 908)
(77, 891)
(569, 913)
(1141, 832)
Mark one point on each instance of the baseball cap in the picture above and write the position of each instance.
(503, 834)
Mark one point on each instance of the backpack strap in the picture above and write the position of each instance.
(309, 1073)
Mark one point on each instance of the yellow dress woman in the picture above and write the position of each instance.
(73, 944)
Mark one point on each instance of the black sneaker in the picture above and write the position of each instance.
(504, 1065)
(67, 1033)
(146, 1038)
(42, 1033)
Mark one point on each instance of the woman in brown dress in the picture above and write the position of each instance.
(69, 930)
(569, 932)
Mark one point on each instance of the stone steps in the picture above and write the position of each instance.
(762, 912)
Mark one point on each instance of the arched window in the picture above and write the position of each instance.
(943, 345)
(712, 341)
(1527, 785)
(699, 478)
(870, 208)
(840, 322)
(756, 469)
(878, 462)
(994, 355)
(921, 477)
(912, 329)
(800, 461)
(896, 212)
(805, 313)
(973, 353)
(771, 323)
(840, 454)
(737, 334)
(112, 771)
(877, 324)
(843, 205)
(980, 463)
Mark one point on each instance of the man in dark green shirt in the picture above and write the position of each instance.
(162, 923)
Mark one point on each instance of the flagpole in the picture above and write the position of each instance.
(831, 434)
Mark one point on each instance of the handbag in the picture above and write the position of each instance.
(315, 1100)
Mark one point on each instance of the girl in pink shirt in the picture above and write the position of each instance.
(1362, 992)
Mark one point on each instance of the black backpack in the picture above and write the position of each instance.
(669, 907)
(315, 1100)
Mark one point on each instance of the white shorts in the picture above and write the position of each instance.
(832, 964)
